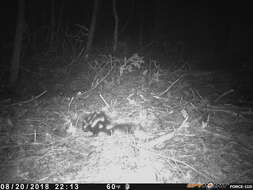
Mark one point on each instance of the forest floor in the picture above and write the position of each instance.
(192, 126)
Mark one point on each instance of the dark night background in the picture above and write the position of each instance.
(211, 34)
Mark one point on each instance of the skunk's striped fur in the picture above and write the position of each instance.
(98, 122)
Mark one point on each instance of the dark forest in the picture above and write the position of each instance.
(126, 91)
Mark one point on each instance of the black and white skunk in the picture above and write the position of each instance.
(99, 122)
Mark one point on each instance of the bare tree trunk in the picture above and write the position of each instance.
(141, 29)
(116, 27)
(130, 15)
(52, 22)
(92, 26)
(15, 60)
(160, 20)
(59, 22)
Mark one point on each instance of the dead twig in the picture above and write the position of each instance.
(71, 100)
(107, 105)
(166, 137)
(172, 84)
(30, 100)
(223, 94)
(96, 83)
(169, 158)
